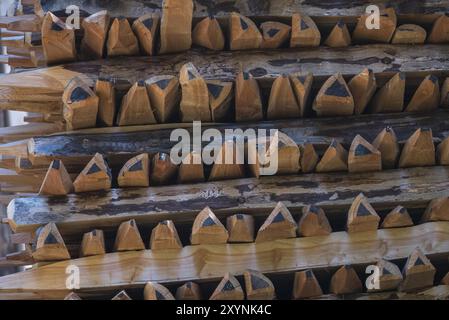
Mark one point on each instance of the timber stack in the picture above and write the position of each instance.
(127, 153)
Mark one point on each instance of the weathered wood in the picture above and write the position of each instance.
(409, 34)
(306, 285)
(156, 291)
(40, 90)
(176, 26)
(189, 291)
(81, 213)
(258, 286)
(229, 288)
(345, 281)
(211, 262)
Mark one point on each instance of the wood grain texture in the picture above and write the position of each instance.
(334, 193)
(41, 90)
(78, 148)
(118, 271)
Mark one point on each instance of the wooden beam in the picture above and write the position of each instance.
(42, 89)
(75, 215)
(364, 248)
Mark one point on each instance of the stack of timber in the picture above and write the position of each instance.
(360, 119)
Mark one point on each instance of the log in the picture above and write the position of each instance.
(240, 228)
(397, 218)
(334, 98)
(283, 103)
(165, 236)
(121, 39)
(362, 87)
(221, 98)
(418, 272)
(222, 170)
(176, 26)
(164, 96)
(58, 40)
(345, 281)
(362, 216)
(305, 33)
(387, 143)
(93, 244)
(248, 102)
(275, 34)
(49, 245)
(364, 248)
(145, 29)
(163, 170)
(334, 159)
(306, 285)
(339, 36)
(128, 237)
(309, 158)
(40, 90)
(279, 225)
(363, 156)
(419, 150)
(136, 107)
(388, 23)
(440, 30)
(208, 34)
(192, 169)
(390, 98)
(302, 85)
(437, 210)
(80, 213)
(96, 176)
(409, 34)
(426, 97)
(135, 173)
(207, 229)
(57, 181)
(313, 222)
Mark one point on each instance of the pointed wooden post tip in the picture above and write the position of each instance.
(304, 32)
(339, 36)
(163, 170)
(105, 90)
(258, 286)
(96, 28)
(384, 34)
(309, 158)
(176, 26)
(189, 291)
(165, 236)
(155, 291)
(279, 225)
(136, 108)
(334, 98)
(94, 177)
(72, 296)
(221, 169)
(275, 34)
(243, 33)
(145, 28)
(363, 157)
(426, 97)
(437, 210)
(440, 30)
(135, 172)
(443, 152)
(165, 95)
(390, 277)
(58, 40)
(313, 222)
(387, 143)
(229, 288)
(390, 98)
(93, 244)
(191, 170)
(397, 218)
(282, 103)
(418, 272)
(361, 216)
(221, 97)
(240, 228)
(334, 159)
(409, 34)
(128, 237)
(209, 34)
(419, 150)
(49, 244)
(57, 181)
(122, 295)
(121, 39)
(306, 285)
(362, 86)
(248, 101)
(345, 281)
(302, 86)
(207, 229)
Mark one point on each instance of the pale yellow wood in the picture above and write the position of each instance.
(176, 26)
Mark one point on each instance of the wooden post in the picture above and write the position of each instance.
(445, 94)
(389, 277)
(135, 173)
(426, 97)
(248, 102)
(390, 98)
(388, 23)
(440, 30)
(165, 236)
(409, 34)
(155, 291)
(229, 288)
(438, 210)
(275, 34)
(176, 26)
(164, 171)
(191, 170)
(57, 181)
(306, 285)
(309, 158)
(145, 28)
(195, 95)
(136, 107)
(49, 245)
(362, 86)
(221, 98)
(208, 34)
(345, 281)
(93, 244)
(419, 150)
(397, 218)
(128, 237)
(80, 105)
(164, 96)
(189, 291)
(334, 159)
(282, 103)
(313, 222)
(418, 272)
(95, 28)
(305, 33)
(443, 152)
(105, 90)
(302, 85)
(363, 157)
(58, 40)
(362, 216)
(279, 225)
(387, 143)
(121, 39)
(339, 36)
(334, 98)
(258, 286)
(243, 33)
(72, 296)
(288, 153)
(94, 177)
(240, 228)
(122, 295)
(222, 170)
(207, 229)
